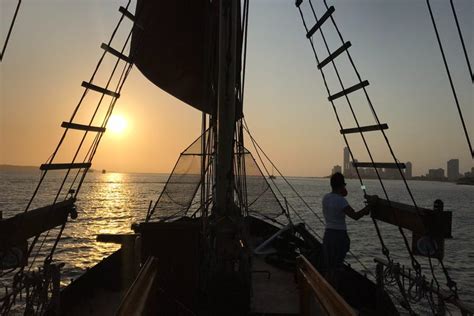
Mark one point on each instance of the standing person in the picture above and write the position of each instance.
(336, 242)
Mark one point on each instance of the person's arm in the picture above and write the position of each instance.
(356, 215)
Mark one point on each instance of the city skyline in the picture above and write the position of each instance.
(286, 103)
(453, 171)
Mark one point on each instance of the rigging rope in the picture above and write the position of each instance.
(415, 263)
(10, 29)
(466, 56)
(385, 250)
(259, 149)
(448, 72)
(90, 154)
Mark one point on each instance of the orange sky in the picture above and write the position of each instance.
(56, 44)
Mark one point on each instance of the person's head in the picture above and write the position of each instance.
(338, 184)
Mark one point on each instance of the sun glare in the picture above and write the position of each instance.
(117, 124)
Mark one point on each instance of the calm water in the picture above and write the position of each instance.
(110, 202)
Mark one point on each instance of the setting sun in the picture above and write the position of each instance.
(117, 124)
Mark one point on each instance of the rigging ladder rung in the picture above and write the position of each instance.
(65, 166)
(83, 127)
(364, 129)
(336, 53)
(116, 53)
(91, 86)
(384, 165)
(320, 22)
(129, 15)
(356, 87)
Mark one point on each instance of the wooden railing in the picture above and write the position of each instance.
(142, 293)
(317, 296)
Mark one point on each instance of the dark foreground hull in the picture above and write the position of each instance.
(181, 286)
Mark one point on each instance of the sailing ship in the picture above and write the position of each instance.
(219, 240)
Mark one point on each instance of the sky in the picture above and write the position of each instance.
(56, 44)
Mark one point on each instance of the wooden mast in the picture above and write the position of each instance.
(226, 97)
(229, 294)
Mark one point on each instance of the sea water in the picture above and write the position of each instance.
(111, 202)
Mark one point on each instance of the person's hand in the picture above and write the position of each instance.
(365, 211)
(371, 199)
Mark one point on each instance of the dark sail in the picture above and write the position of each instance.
(176, 48)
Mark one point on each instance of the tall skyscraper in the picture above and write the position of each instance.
(408, 170)
(453, 169)
(347, 166)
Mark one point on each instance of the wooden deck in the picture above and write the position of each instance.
(275, 292)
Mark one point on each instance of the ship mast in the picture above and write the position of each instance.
(230, 296)
(226, 99)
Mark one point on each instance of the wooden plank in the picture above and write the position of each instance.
(421, 221)
(83, 127)
(140, 296)
(64, 166)
(368, 128)
(326, 295)
(116, 53)
(95, 88)
(336, 53)
(17, 229)
(344, 92)
(320, 22)
(130, 16)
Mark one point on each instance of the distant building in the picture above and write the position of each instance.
(335, 169)
(347, 166)
(435, 174)
(453, 169)
(408, 170)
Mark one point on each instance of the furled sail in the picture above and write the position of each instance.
(175, 48)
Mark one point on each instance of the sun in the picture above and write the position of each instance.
(116, 124)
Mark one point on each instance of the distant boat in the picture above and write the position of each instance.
(104, 171)
(272, 176)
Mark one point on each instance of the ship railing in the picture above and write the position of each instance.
(140, 296)
(317, 296)
(405, 277)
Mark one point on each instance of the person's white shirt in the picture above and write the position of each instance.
(333, 210)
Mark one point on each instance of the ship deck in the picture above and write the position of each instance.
(274, 291)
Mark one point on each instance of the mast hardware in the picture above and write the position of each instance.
(384, 165)
(320, 22)
(298, 3)
(91, 86)
(129, 15)
(356, 87)
(64, 166)
(419, 220)
(336, 53)
(116, 53)
(15, 230)
(368, 128)
(83, 127)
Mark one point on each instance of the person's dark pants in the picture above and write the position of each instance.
(336, 244)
